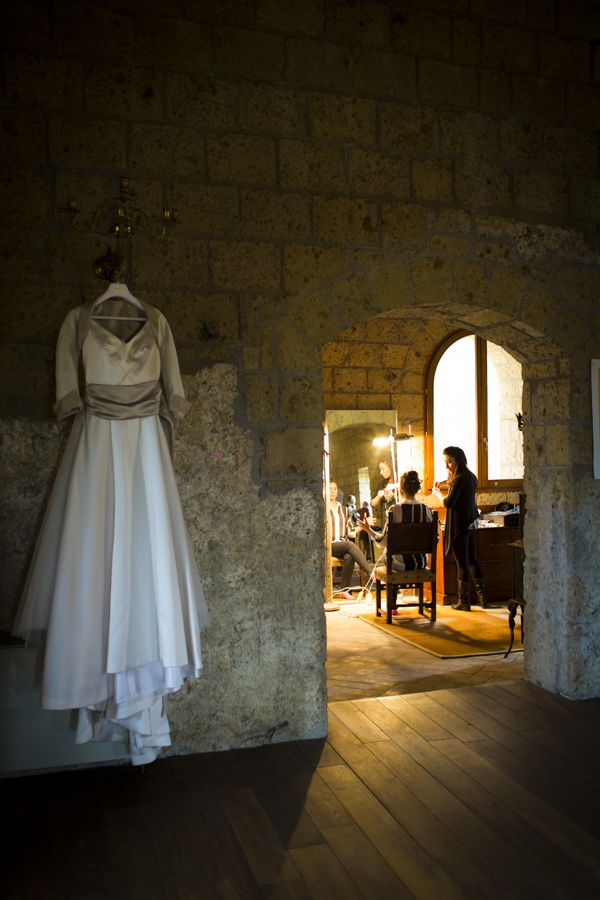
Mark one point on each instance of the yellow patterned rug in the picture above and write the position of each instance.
(453, 634)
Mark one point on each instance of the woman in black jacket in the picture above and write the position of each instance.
(459, 534)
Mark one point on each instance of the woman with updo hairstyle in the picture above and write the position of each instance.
(408, 511)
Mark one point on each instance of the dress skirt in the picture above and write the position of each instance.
(113, 588)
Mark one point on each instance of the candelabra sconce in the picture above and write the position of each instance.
(127, 219)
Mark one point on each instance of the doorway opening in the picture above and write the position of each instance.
(397, 379)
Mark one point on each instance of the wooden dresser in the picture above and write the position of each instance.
(496, 560)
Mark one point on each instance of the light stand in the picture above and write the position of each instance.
(395, 440)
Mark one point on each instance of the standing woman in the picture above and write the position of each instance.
(460, 529)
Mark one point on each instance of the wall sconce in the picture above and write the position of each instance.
(127, 219)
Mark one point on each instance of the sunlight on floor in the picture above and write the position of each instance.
(365, 662)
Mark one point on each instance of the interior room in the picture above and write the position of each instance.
(447, 411)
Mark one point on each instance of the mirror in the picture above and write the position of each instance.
(353, 458)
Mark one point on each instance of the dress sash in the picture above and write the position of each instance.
(124, 401)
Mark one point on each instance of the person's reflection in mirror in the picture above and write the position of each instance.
(351, 513)
(384, 498)
(365, 543)
(342, 547)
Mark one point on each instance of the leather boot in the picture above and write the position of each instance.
(482, 597)
(463, 597)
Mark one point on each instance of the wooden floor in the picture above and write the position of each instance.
(483, 791)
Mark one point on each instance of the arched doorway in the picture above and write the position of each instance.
(361, 663)
(392, 311)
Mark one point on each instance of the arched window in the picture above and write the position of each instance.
(474, 393)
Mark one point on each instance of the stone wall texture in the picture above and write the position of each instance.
(344, 171)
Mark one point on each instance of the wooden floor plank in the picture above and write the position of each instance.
(460, 811)
(491, 704)
(474, 715)
(456, 725)
(399, 798)
(349, 713)
(287, 759)
(570, 711)
(32, 837)
(539, 719)
(543, 774)
(574, 840)
(321, 804)
(203, 845)
(282, 798)
(324, 874)
(193, 852)
(521, 854)
(87, 866)
(508, 699)
(287, 890)
(568, 766)
(268, 859)
(319, 753)
(413, 717)
(127, 838)
(581, 766)
(362, 860)
(512, 876)
(418, 871)
(586, 710)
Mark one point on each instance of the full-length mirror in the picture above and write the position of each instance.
(353, 456)
(356, 442)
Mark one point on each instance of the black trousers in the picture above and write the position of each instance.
(350, 553)
(464, 548)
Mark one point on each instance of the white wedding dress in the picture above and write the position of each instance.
(113, 592)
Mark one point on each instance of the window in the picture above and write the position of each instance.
(474, 392)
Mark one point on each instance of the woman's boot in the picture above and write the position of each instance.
(482, 597)
(463, 597)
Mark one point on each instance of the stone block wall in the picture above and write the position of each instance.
(431, 163)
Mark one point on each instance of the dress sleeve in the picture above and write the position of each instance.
(68, 398)
(171, 377)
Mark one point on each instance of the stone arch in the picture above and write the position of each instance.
(528, 310)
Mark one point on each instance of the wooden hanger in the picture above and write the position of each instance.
(120, 291)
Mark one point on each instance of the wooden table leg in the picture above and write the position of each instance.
(513, 607)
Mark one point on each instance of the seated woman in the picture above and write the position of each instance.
(341, 546)
(408, 511)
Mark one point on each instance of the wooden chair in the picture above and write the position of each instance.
(404, 538)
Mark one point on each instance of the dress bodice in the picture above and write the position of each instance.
(109, 360)
(147, 358)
